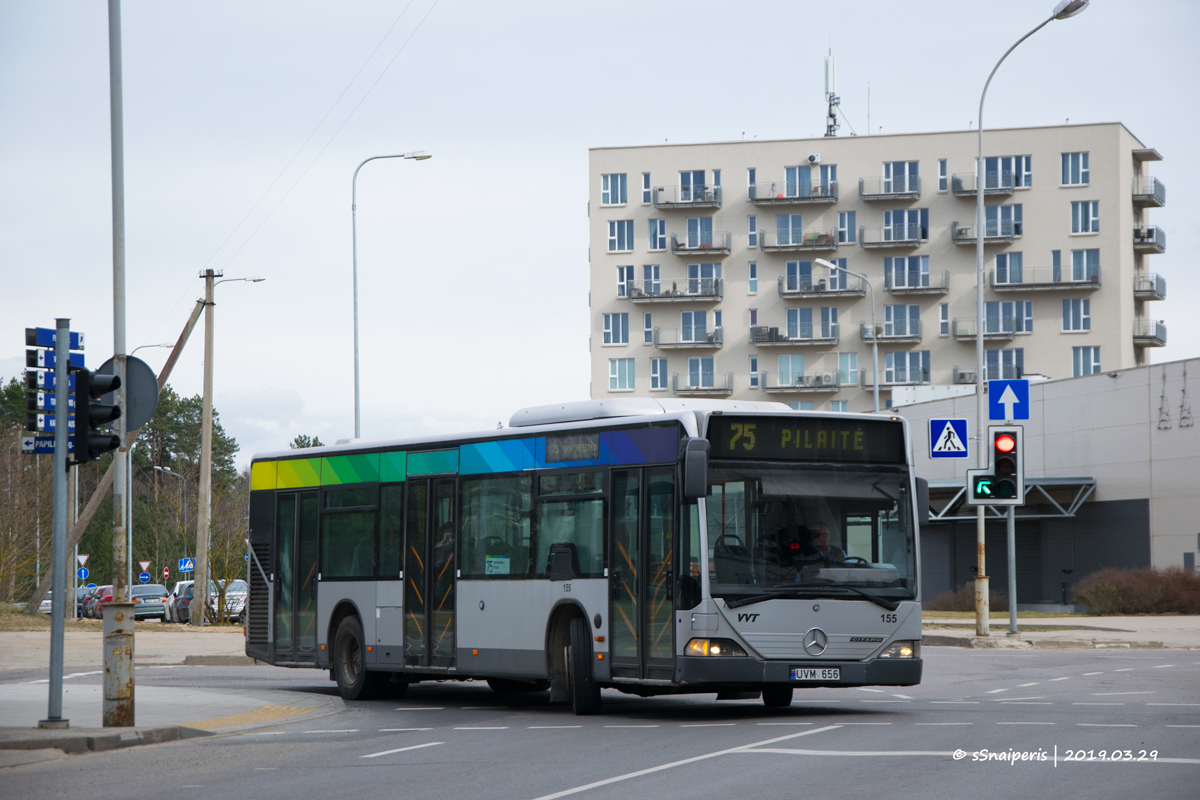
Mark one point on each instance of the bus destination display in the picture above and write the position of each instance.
(807, 439)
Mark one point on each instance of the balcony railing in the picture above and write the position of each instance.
(1149, 333)
(803, 334)
(963, 183)
(993, 328)
(899, 282)
(696, 337)
(707, 242)
(1148, 286)
(847, 285)
(907, 188)
(687, 196)
(783, 193)
(908, 331)
(891, 236)
(965, 375)
(1149, 240)
(1028, 279)
(781, 239)
(895, 377)
(694, 290)
(816, 381)
(1149, 193)
(703, 383)
(1001, 232)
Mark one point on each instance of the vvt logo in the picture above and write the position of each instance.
(747, 617)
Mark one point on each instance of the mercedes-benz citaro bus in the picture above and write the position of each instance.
(650, 546)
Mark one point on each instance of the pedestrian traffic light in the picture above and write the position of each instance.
(90, 441)
(1006, 463)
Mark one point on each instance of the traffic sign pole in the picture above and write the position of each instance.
(58, 586)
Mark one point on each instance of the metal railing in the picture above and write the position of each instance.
(702, 383)
(792, 192)
(796, 286)
(902, 282)
(895, 377)
(687, 196)
(890, 236)
(697, 336)
(1032, 278)
(1149, 192)
(703, 242)
(1150, 240)
(1149, 286)
(693, 289)
(907, 331)
(885, 188)
(1149, 332)
(802, 333)
(821, 380)
(963, 183)
(797, 239)
(993, 327)
(993, 231)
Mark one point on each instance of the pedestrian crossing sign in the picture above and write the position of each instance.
(947, 438)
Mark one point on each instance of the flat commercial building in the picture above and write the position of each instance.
(705, 277)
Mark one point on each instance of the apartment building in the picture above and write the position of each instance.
(707, 276)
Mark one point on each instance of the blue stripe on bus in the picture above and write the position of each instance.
(509, 455)
(602, 461)
(645, 446)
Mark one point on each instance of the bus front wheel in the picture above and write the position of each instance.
(585, 692)
(354, 681)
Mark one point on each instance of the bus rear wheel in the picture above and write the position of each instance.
(354, 680)
(585, 692)
(777, 696)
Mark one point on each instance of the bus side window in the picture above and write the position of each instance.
(495, 526)
(391, 531)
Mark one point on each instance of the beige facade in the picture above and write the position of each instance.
(724, 266)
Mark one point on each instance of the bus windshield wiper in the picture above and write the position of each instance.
(810, 591)
(874, 598)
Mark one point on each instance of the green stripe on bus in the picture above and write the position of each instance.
(438, 462)
(298, 473)
(336, 470)
(391, 466)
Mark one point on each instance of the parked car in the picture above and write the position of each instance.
(88, 596)
(149, 600)
(236, 594)
(173, 599)
(183, 604)
(104, 595)
(80, 594)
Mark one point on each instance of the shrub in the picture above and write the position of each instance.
(1140, 591)
(963, 599)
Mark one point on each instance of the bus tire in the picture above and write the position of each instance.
(354, 680)
(510, 686)
(777, 696)
(585, 692)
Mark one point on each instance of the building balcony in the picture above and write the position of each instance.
(694, 338)
(910, 283)
(846, 286)
(706, 243)
(1148, 286)
(910, 331)
(1032, 279)
(1149, 193)
(964, 330)
(894, 377)
(908, 188)
(809, 382)
(696, 290)
(1004, 232)
(791, 193)
(702, 383)
(890, 236)
(811, 334)
(795, 240)
(1149, 240)
(994, 183)
(687, 196)
(964, 375)
(1149, 333)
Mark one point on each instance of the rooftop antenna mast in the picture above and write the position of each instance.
(831, 123)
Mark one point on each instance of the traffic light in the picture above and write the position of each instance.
(1006, 463)
(90, 441)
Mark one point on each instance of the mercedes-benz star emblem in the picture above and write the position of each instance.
(815, 642)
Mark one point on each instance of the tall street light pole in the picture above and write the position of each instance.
(204, 501)
(1064, 10)
(415, 155)
(874, 332)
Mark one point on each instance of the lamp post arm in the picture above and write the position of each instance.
(874, 333)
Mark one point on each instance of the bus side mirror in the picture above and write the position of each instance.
(695, 468)
(922, 501)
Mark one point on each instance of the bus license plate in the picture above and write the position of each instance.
(799, 674)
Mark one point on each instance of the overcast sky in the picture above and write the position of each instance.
(244, 123)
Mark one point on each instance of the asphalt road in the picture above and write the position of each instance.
(1070, 711)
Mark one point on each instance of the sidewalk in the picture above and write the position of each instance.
(1067, 632)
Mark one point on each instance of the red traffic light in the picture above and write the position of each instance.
(1005, 443)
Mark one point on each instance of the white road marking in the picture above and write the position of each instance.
(1173, 704)
(1024, 723)
(996, 691)
(401, 749)
(865, 689)
(1015, 699)
(661, 767)
(1097, 704)
(436, 708)
(1183, 726)
(944, 723)
(709, 725)
(1064, 678)
(789, 752)
(1027, 703)
(955, 702)
(1023, 685)
(906, 697)
(496, 728)
(1102, 694)
(270, 733)
(1092, 673)
(551, 727)
(81, 674)
(885, 701)
(402, 730)
(1126, 669)
(1160, 666)
(631, 726)
(348, 730)
(1105, 725)
(865, 723)
(783, 723)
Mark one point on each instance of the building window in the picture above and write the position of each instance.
(616, 329)
(1004, 365)
(941, 175)
(1075, 170)
(903, 320)
(847, 227)
(624, 281)
(751, 176)
(648, 335)
(840, 405)
(900, 177)
(799, 323)
(799, 181)
(829, 322)
(1003, 220)
(658, 373)
(699, 232)
(907, 367)
(847, 369)
(798, 276)
(791, 369)
(658, 234)
(1077, 315)
(1085, 216)
(906, 225)
(620, 373)
(752, 222)
(753, 276)
(650, 280)
(828, 179)
(620, 236)
(1015, 171)
(646, 188)
(1085, 360)
(906, 272)
(716, 177)
(693, 326)
(702, 278)
(700, 373)
(1009, 268)
(789, 229)
(612, 189)
(753, 372)
(1008, 317)
(753, 317)
(691, 185)
(943, 319)
(838, 277)
(1085, 265)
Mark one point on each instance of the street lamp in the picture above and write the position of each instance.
(415, 155)
(182, 502)
(874, 332)
(1063, 10)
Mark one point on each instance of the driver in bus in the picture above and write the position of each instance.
(821, 545)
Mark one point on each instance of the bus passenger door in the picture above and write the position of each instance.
(296, 578)
(429, 574)
(641, 579)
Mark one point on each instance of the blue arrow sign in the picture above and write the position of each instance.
(82, 573)
(43, 445)
(1008, 400)
(947, 438)
(44, 401)
(45, 380)
(44, 359)
(45, 422)
(48, 337)
(144, 577)
(187, 564)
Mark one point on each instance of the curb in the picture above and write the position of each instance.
(86, 740)
(995, 643)
(220, 661)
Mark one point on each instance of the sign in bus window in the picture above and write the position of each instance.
(572, 447)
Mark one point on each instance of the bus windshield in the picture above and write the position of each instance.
(810, 529)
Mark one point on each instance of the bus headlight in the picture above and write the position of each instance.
(902, 650)
(713, 647)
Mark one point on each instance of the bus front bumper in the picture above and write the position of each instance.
(735, 671)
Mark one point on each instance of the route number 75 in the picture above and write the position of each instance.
(742, 431)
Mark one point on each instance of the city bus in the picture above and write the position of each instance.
(648, 546)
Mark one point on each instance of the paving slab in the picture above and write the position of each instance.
(1174, 632)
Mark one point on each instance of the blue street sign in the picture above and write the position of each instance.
(91, 586)
(44, 359)
(48, 337)
(82, 573)
(247, 558)
(187, 564)
(43, 445)
(947, 438)
(144, 577)
(1008, 400)
(44, 401)
(45, 380)
(45, 422)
